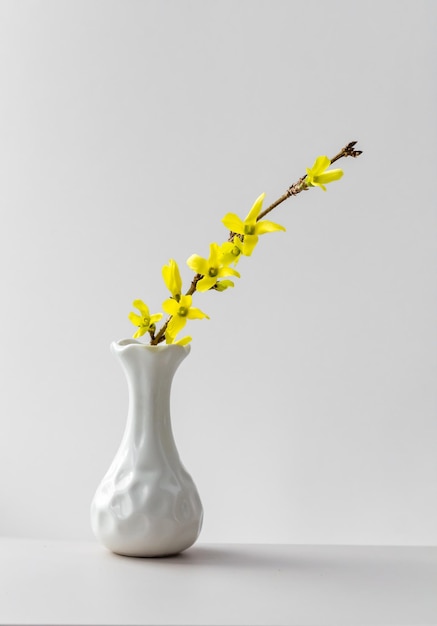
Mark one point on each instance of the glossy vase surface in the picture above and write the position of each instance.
(147, 504)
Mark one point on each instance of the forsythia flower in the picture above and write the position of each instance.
(211, 269)
(232, 250)
(317, 176)
(145, 321)
(181, 312)
(172, 279)
(250, 228)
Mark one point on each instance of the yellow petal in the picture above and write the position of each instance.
(316, 184)
(227, 251)
(320, 165)
(329, 176)
(175, 325)
(183, 341)
(170, 306)
(142, 308)
(214, 255)
(196, 314)
(227, 271)
(198, 264)
(234, 223)
(135, 319)
(206, 283)
(249, 244)
(237, 242)
(172, 277)
(309, 180)
(185, 301)
(155, 318)
(226, 247)
(255, 210)
(140, 332)
(264, 226)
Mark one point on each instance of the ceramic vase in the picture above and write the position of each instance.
(147, 505)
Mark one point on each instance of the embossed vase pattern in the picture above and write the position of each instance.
(147, 504)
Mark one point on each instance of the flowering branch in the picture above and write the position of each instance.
(242, 240)
(300, 185)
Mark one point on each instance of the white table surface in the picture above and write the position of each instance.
(54, 582)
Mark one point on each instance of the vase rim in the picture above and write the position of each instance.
(133, 344)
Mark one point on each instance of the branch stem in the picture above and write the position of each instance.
(293, 190)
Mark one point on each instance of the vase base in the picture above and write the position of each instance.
(158, 555)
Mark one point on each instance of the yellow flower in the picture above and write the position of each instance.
(232, 250)
(181, 312)
(250, 228)
(172, 279)
(145, 321)
(211, 269)
(317, 176)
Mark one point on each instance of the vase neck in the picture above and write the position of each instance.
(149, 374)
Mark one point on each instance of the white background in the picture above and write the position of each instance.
(306, 412)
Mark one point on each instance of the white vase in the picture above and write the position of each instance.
(147, 504)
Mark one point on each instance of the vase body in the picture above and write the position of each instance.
(147, 504)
